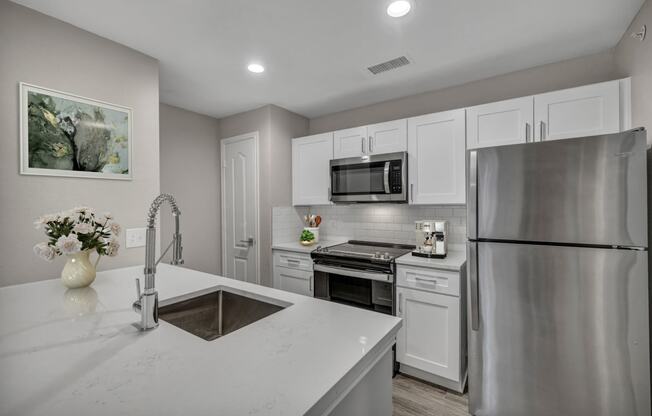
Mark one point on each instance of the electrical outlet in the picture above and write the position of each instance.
(135, 237)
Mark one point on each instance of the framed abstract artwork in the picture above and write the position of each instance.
(63, 134)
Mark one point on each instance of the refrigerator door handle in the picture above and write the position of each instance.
(472, 269)
(472, 196)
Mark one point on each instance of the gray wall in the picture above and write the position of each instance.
(634, 59)
(276, 127)
(580, 71)
(190, 170)
(38, 49)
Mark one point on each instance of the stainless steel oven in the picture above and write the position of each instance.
(368, 289)
(373, 178)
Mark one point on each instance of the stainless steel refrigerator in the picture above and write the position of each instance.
(558, 278)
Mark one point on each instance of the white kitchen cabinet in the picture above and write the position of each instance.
(583, 111)
(293, 272)
(388, 137)
(500, 123)
(436, 158)
(310, 169)
(350, 142)
(429, 339)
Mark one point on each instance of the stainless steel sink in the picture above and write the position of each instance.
(215, 314)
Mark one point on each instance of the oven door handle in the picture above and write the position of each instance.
(386, 178)
(361, 274)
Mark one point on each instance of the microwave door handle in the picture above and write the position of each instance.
(386, 178)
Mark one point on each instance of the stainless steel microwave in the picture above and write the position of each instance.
(373, 178)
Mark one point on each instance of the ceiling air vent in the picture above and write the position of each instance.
(389, 65)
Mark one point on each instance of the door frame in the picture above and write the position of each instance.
(223, 143)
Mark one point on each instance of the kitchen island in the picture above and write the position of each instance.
(78, 351)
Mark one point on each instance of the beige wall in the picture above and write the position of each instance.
(38, 49)
(276, 127)
(190, 171)
(584, 70)
(634, 58)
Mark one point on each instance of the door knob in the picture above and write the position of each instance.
(248, 242)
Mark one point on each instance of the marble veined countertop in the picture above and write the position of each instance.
(77, 352)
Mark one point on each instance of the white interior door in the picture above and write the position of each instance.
(240, 207)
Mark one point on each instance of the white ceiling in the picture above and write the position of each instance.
(316, 51)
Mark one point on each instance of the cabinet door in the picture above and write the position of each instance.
(292, 280)
(576, 112)
(387, 137)
(350, 142)
(436, 164)
(310, 169)
(504, 122)
(430, 336)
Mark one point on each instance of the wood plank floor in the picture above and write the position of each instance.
(415, 398)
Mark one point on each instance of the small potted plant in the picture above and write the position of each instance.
(77, 233)
(307, 238)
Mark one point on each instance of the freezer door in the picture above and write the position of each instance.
(561, 331)
(590, 190)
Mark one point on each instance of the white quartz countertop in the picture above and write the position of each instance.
(77, 352)
(300, 248)
(453, 261)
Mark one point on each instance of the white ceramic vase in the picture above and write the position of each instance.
(78, 270)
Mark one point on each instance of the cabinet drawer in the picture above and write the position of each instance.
(293, 280)
(432, 280)
(293, 260)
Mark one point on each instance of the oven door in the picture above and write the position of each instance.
(376, 178)
(365, 289)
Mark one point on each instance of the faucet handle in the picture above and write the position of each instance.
(138, 294)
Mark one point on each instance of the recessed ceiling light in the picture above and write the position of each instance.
(256, 68)
(399, 8)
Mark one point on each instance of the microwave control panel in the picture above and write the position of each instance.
(395, 177)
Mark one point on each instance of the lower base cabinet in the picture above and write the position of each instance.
(431, 343)
(293, 272)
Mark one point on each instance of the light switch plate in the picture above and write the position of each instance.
(135, 237)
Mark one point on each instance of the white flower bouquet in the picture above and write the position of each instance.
(77, 230)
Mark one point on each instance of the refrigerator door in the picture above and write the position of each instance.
(589, 190)
(560, 331)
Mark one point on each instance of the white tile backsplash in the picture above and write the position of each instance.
(377, 222)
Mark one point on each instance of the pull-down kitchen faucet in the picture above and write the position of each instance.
(147, 302)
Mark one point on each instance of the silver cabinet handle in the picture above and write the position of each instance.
(472, 270)
(330, 194)
(362, 144)
(400, 303)
(541, 130)
(310, 283)
(371, 144)
(425, 279)
(411, 192)
(527, 132)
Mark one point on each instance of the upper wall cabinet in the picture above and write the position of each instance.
(584, 111)
(436, 162)
(350, 142)
(504, 122)
(310, 169)
(388, 137)
(378, 138)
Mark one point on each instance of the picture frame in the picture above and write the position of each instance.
(73, 136)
